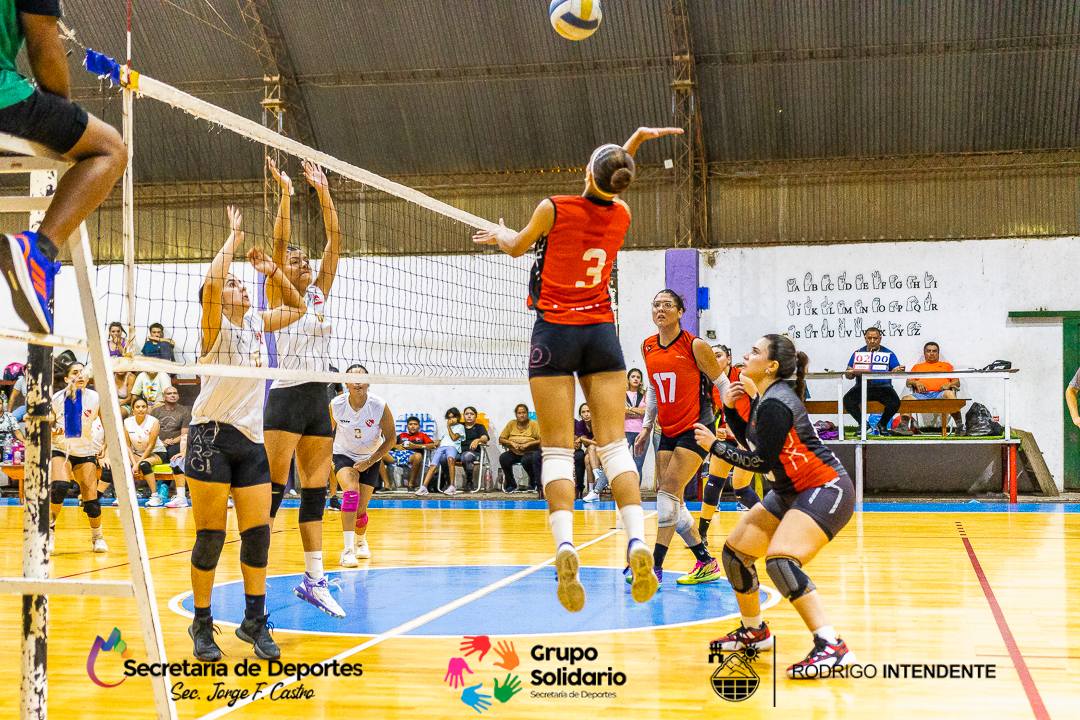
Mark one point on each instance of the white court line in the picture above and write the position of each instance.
(414, 623)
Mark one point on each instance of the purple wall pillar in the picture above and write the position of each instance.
(681, 275)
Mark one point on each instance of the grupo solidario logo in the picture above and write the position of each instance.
(735, 679)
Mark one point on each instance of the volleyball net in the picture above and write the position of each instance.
(412, 299)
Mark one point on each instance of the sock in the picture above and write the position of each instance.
(562, 527)
(597, 472)
(701, 553)
(313, 564)
(181, 491)
(827, 633)
(47, 246)
(659, 552)
(349, 539)
(633, 521)
(751, 622)
(96, 533)
(205, 612)
(747, 496)
(254, 606)
(703, 526)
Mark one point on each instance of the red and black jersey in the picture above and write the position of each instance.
(569, 281)
(682, 390)
(742, 405)
(782, 442)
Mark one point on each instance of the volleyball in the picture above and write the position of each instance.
(575, 19)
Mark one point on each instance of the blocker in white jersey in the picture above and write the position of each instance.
(235, 401)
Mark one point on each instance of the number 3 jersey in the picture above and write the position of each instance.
(358, 432)
(569, 281)
(683, 392)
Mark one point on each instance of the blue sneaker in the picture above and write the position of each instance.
(163, 492)
(30, 275)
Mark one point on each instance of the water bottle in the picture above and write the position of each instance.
(18, 455)
(7, 447)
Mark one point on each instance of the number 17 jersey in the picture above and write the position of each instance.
(683, 392)
(569, 281)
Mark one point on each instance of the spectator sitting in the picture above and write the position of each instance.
(156, 345)
(924, 388)
(151, 387)
(521, 438)
(449, 449)
(117, 342)
(873, 358)
(17, 400)
(590, 460)
(476, 437)
(409, 452)
(173, 420)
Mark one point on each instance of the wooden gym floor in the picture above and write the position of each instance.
(901, 585)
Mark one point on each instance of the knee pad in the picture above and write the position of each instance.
(312, 504)
(146, 467)
(684, 520)
(255, 546)
(106, 475)
(788, 576)
(277, 494)
(362, 521)
(616, 459)
(740, 570)
(58, 491)
(558, 464)
(667, 509)
(711, 494)
(207, 550)
(350, 500)
(92, 508)
(747, 496)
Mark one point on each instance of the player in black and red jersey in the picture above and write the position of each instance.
(680, 369)
(811, 500)
(577, 239)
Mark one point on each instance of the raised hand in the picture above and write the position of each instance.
(489, 237)
(476, 643)
(508, 659)
(236, 221)
(315, 176)
(510, 687)
(476, 700)
(650, 133)
(283, 180)
(261, 261)
(454, 674)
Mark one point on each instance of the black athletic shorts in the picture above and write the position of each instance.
(568, 349)
(220, 453)
(682, 440)
(54, 121)
(300, 409)
(369, 477)
(76, 460)
(830, 505)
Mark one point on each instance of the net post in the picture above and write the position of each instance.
(124, 482)
(128, 212)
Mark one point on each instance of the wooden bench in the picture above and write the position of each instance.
(941, 407)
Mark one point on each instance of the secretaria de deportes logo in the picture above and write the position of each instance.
(113, 644)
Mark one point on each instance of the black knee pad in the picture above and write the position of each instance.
(312, 504)
(255, 546)
(747, 496)
(92, 508)
(788, 576)
(740, 573)
(106, 475)
(145, 467)
(58, 490)
(277, 494)
(711, 494)
(207, 550)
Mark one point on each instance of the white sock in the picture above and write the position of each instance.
(562, 527)
(313, 564)
(752, 622)
(633, 522)
(181, 491)
(96, 533)
(350, 538)
(597, 472)
(827, 633)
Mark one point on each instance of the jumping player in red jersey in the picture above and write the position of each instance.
(718, 469)
(577, 239)
(679, 370)
(811, 500)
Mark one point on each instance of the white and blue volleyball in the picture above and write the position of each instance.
(575, 19)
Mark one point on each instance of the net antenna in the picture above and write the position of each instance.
(44, 168)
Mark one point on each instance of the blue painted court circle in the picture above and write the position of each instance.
(379, 599)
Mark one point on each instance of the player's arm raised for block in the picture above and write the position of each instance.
(282, 225)
(332, 252)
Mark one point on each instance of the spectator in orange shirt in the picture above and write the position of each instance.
(926, 388)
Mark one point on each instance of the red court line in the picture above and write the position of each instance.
(1026, 680)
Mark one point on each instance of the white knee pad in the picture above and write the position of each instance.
(685, 520)
(557, 464)
(616, 459)
(667, 509)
